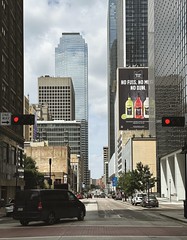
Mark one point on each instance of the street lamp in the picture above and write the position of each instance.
(170, 190)
(125, 176)
(147, 176)
(50, 180)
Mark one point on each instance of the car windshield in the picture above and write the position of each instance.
(152, 197)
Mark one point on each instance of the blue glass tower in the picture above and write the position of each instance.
(71, 59)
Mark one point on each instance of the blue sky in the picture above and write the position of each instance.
(44, 22)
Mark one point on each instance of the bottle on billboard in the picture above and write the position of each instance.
(146, 108)
(129, 108)
(138, 107)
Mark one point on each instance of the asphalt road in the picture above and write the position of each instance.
(106, 219)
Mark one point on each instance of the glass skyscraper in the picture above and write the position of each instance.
(135, 22)
(71, 60)
(127, 47)
(112, 66)
(170, 71)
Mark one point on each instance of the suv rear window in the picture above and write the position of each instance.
(24, 196)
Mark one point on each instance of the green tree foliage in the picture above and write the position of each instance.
(139, 179)
(33, 178)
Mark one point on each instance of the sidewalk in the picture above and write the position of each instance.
(173, 209)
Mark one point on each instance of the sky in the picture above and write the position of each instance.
(44, 22)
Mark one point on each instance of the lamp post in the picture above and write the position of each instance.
(125, 175)
(147, 176)
(50, 180)
(170, 190)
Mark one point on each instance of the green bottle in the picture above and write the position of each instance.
(129, 108)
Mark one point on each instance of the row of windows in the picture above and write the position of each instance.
(54, 87)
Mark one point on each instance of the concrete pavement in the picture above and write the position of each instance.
(171, 208)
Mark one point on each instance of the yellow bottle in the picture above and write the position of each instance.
(129, 108)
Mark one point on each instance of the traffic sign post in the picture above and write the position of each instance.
(5, 118)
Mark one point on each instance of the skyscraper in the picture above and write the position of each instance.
(11, 94)
(127, 47)
(112, 66)
(170, 29)
(71, 60)
(135, 33)
(58, 93)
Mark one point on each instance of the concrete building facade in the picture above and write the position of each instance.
(58, 94)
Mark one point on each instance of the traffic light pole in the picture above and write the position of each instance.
(50, 173)
(185, 201)
(184, 151)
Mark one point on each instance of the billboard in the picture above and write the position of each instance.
(133, 98)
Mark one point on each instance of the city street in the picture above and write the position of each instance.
(106, 219)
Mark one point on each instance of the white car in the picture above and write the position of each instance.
(9, 207)
(137, 198)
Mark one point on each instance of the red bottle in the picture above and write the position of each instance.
(138, 107)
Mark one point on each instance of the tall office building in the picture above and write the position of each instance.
(71, 60)
(112, 66)
(135, 25)
(127, 47)
(170, 63)
(58, 93)
(105, 166)
(11, 94)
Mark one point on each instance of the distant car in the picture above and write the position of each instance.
(9, 207)
(89, 195)
(79, 196)
(137, 198)
(150, 202)
(118, 196)
(102, 195)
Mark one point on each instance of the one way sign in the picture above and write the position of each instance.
(5, 118)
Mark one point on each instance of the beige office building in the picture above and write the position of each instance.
(58, 93)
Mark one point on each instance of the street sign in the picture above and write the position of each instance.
(5, 118)
(114, 181)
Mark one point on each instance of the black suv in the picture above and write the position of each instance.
(48, 205)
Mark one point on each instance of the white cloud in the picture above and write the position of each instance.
(44, 22)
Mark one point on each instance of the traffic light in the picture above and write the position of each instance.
(173, 121)
(22, 119)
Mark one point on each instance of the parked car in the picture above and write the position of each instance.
(48, 205)
(80, 196)
(151, 201)
(118, 196)
(9, 207)
(102, 195)
(137, 198)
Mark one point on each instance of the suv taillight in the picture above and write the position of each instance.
(40, 206)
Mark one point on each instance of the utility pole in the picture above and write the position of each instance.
(125, 175)
(50, 180)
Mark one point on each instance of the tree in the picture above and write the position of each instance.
(33, 178)
(139, 179)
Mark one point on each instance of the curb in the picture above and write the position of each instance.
(174, 218)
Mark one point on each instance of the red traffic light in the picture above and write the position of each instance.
(15, 119)
(167, 121)
(23, 119)
(173, 121)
